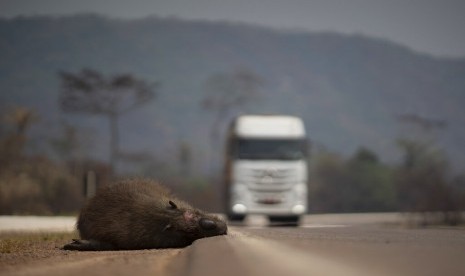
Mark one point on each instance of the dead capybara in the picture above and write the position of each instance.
(141, 214)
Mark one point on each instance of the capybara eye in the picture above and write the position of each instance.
(207, 224)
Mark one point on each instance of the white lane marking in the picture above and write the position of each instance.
(249, 226)
(260, 221)
(268, 257)
(322, 225)
(37, 223)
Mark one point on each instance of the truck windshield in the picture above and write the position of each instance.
(283, 149)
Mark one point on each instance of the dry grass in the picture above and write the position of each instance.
(17, 249)
(22, 242)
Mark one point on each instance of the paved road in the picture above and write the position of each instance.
(360, 247)
(324, 245)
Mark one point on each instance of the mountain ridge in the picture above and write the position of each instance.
(349, 89)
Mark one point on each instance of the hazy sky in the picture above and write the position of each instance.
(431, 26)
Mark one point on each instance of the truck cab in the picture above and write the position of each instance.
(266, 167)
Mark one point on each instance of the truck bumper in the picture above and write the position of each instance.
(286, 202)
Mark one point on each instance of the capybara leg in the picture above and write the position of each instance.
(88, 245)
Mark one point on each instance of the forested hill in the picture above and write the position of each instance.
(351, 90)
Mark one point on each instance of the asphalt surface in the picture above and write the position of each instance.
(368, 244)
(365, 250)
(329, 249)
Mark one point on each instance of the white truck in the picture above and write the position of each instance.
(266, 168)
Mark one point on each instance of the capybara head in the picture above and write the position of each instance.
(194, 223)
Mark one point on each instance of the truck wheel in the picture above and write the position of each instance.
(236, 217)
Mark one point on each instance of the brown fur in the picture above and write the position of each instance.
(141, 214)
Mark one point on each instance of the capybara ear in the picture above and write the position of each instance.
(173, 205)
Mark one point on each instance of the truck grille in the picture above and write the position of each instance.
(271, 176)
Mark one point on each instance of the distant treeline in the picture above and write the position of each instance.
(348, 89)
(421, 183)
(32, 184)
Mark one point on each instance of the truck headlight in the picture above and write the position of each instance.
(298, 209)
(239, 208)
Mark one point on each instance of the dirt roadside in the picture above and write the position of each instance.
(40, 254)
(333, 250)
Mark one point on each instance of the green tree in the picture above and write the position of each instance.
(359, 184)
(328, 188)
(423, 182)
(411, 172)
(372, 181)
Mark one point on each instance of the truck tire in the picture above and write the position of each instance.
(284, 220)
(236, 218)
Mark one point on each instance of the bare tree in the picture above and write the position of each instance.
(88, 91)
(424, 179)
(226, 92)
(421, 128)
(19, 119)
